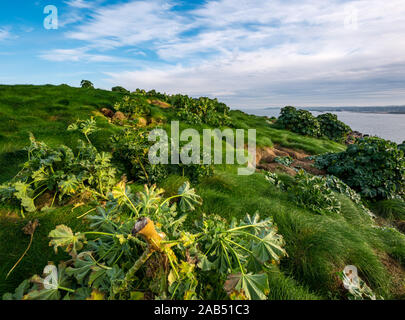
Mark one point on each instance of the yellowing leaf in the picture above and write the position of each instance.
(96, 295)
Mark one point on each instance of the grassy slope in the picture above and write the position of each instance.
(318, 246)
(45, 111)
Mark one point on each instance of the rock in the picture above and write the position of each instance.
(401, 225)
(142, 122)
(107, 112)
(119, 116)
(161, 104)
(351, 138)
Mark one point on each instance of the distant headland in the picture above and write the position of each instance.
(370, 109)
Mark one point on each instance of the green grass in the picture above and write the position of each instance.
(14, 242)
(46, 111)
(318, 245)
(267, 135)
(392, 209)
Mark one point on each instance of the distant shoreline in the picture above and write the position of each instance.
(378, 110)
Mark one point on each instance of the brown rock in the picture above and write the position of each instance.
(142, 122)
(119, 116)
(107, 112)
(401, 225)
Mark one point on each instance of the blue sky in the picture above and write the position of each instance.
(249, 53)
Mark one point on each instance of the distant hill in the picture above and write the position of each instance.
(386, 109)
(370, 109)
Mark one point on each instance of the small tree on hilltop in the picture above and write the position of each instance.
(86, 84)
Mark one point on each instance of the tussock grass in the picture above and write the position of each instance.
(319, 246)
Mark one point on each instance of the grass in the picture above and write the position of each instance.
(14, 242)
(318, 245)
(45, 111)
(267, 135)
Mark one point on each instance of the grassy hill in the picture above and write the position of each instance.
(318, 246)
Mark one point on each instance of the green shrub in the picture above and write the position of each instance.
(61, 172)
(201, 110)
(120, 89)
(131, 149)
(372, 166)
(299, 121)
(332, 128)
(86, 84)
(402, 146)
(286, 161)
(313, 193)
(133, 105)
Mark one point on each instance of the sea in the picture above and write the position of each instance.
(384, 125)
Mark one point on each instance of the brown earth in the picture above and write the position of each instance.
(107, 112)
(159, 103)
(397, 273)
(401, 225)
(265, 160)
(119, 117)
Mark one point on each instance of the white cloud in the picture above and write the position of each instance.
(79, 4)
(260, 52)
(129, 24)
(4, 34)
(77, 55)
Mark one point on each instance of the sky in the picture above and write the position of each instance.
(248, 53)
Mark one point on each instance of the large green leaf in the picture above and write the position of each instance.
(251, 286)
(269, 247)
(62, 236)
(188, 197)
(24, 193)
(49, 288)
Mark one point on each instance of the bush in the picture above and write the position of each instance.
(201, 110)
(120, 89)
(402, 146)
(372, 166)
(133, 105)
(314, 193)
(61, 172)
(299, 121)
(86, 84)
(332, 128)
(139, 248)
(131, 149)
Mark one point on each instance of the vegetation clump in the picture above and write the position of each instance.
(332, 128)
(120, 89)
(61, 171)
(86, 84)
(372, 166)
(313, 193)
(303, 122)
(131, 148)
(299, 121)
(137, 248)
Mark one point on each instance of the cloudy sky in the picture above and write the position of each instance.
(249, 53)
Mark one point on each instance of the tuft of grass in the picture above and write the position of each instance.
(318, 246)
(390, 209)
(283, 287)
(14, 242)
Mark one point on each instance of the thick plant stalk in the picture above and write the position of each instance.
(142, 259)
(146, 228)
